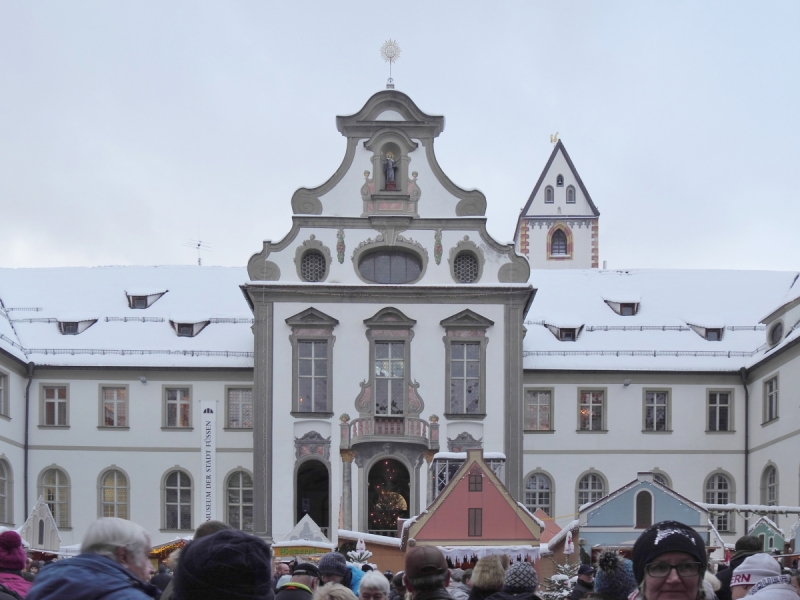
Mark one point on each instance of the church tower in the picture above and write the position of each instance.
(558, 228)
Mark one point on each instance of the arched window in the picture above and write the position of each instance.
(558, 243)
(538, 493)
(570, 194)
(560, 181)
(239, 497)
(114, 494)
(177, 501)
(662, 478)
(591, 488)
(390, 266)
(5, 493)
(718, 491)
(644, 510)
(548, 195)
(55, 490)
(769, 489)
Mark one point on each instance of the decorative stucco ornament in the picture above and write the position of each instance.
(437, 246)
(390, 52)
(340, 246)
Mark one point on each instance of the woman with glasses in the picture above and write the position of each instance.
(669, 561)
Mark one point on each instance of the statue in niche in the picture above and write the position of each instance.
(388, 162)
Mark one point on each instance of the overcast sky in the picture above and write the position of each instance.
(129, 128)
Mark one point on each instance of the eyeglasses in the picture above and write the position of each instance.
(662, 569)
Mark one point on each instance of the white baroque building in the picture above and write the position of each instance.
(343, 373)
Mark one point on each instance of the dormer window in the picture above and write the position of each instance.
(560, 181)
(69, 328)
(75, 327)
(566, 334)
(776, 333)
(624, 309)
(714, 335)
(142, 300)
(188, 329)
(185, 330)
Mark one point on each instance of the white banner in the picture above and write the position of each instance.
(209, 460)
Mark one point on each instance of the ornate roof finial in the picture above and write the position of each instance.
(390, 52)
(554, 138)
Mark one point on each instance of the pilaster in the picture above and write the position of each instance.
(513, 398)
(262, 420)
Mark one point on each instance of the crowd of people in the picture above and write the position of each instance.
(669, 562)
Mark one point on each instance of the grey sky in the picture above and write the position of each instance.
(127, 127)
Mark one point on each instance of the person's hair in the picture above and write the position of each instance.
(105, 535)
(173, 558)
(505, 560)
(306, 579)
(748, 543)
(467, 576)
(334, 591)
(209, 528)
(373, 580)
(427, 583)
(397, 581)
(488, 573)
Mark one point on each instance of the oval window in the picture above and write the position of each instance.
(776, 333)
(390, 266)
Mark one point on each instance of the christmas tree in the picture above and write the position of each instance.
(559, 586)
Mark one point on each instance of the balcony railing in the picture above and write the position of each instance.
(410, 429)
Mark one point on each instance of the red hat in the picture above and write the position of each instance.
(422, 561)
(12, 554)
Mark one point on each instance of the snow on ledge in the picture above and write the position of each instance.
(563, 533)
(539, 522)
(463, 455)
(370, 537)
(769, 522)
(795, 510)
(464, 553)
(310, 543)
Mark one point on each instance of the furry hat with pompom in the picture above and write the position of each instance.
(12, 554)
(614, 577)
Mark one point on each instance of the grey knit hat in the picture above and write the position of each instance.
(332, 563)
(614, 576)
(520, 577)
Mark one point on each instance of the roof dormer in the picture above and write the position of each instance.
(73, 326)
(188, 327)
(140, 299)
(565, 332)
(623, 306)
(712, 333)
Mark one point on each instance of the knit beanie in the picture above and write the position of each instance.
(755, 568)
(520, 577)
(333, 563)
(227, 565)
(667, 536)
(614, 577)
(12, 554)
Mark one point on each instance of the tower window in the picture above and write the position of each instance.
(570, 195)
(560, 181)
(548, 195)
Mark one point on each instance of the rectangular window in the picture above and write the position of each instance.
(240, 408)
(719, 411)
(115, 407)
(55, 406)
(465, 378)
(475, 522)
(389, 378)
(475, 482)
(591, 410)
(538, 410)
(771, 399)
(312, 376)
(656, 407)
(3, 395)
(178, 407)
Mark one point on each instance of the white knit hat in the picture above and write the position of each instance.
(755, 568)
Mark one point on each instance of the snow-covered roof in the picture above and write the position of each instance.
(658, 336)
(463, 455)
(556, 539)
(770, 523)
(34, 300)
(539, 522)
(370, 537)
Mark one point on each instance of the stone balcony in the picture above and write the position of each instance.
(390, 429)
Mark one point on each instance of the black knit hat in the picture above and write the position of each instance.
(228, 565)
(663, 537)
(333, 563)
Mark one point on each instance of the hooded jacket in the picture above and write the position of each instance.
(89, 577)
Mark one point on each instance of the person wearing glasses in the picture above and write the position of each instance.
(669, 561)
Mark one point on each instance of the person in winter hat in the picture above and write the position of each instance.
(227, 565)
(584, 584)
(12, 560)
(333, 568)
(614, 579)
(669, 561)
(760, 576)
(520, 583)
(747, 545)
(302, 585)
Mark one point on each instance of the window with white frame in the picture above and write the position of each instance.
(3, 395)
(444, 469)
(55, 491)
(240, 408)
(55, 406)
(389, 378)
(590, 410)
(719, 411)
(312, 376)
(115, 406)
(538, 410)
(178, 407)
(656, 411)
(239, 494)
(591, 488)
(769, 487)
(5, 493)
(771, 399)
(114, 494)
(465, 378)
(538, 493)
(718, 490)
(177, 501)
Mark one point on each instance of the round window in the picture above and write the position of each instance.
(390, 266)
(465, 267)
(776, 333)
(312, 266)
